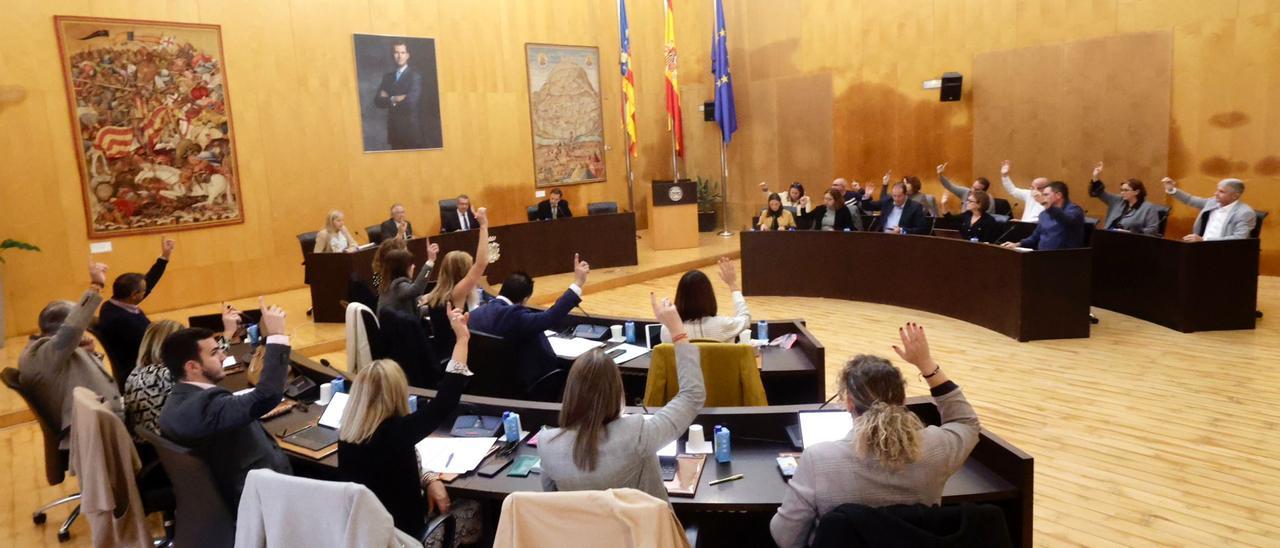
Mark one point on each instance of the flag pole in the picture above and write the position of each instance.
(675, 156)
(724, 188)
(626, 138)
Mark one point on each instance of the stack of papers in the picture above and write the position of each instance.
(572, 348)
(449, 455)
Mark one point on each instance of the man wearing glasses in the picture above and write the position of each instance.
(223, 428)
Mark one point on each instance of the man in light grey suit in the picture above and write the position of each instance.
(1224, 217)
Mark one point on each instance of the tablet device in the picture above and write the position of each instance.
(652, 334)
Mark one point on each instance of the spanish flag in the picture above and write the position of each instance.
(674, 124)
(628, 81)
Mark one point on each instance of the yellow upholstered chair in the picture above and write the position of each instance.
(728, 370)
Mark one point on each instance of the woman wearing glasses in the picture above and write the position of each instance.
(1130, 211)
(975, 222)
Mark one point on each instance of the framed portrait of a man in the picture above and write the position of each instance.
(151, 120)
(399, 93)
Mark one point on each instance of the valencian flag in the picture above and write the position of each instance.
(674, 124)
(628, 81)
(726, 114)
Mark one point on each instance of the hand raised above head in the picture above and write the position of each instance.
(942, 168)
(1170, 185)
(272, 322)
(1004, 167)
(915, 347)
(1097, 171)
(666, 314)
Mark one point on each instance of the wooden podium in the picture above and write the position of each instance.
(673, 214)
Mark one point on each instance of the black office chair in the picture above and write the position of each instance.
(307, 240)
(55, 460)
(850, 524)
(490, 358)
(202, 517)
(1003, 207)
(1257, 226)
(448, 207)
(602, 208)
(1162, 213)
(375, 233)
(531, 212)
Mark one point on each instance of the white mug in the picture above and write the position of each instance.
(326, 393)
(615, 331)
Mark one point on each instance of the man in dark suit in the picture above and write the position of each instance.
(1060, 225)
(121, 323)
(554, 207)
(401, 94)
(397, 224)
(897, 213)
(507, 316)
(461, 219)
(223, 428)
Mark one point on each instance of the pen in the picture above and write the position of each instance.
(730, 478)
(449, 460)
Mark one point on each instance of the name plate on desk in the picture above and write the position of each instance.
(674, 193)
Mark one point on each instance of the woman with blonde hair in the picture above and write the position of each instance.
(334, 237)
(889, 457)
(148, 385)
(378, 433)
(456, 280)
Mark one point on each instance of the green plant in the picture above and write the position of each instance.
(708, 194)
(11, 243)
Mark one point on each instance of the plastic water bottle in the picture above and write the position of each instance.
(629, 329)
(762, 330)
(511, 425)
(339, 385)
(723, 452)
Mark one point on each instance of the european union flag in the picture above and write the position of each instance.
(726, 114)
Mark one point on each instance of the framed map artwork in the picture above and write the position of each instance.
(565, 114)
(151, 123)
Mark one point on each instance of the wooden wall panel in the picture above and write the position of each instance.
(293, 89)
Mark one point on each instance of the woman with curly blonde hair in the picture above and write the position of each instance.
(889, 457)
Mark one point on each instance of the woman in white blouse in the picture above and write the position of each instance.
(334, 237)
(696, 303)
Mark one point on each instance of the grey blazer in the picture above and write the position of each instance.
(628, 453)
(51, 367)
(1237, 227)
(1146, 220)
(403, 293)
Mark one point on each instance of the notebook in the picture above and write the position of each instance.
(688, 475)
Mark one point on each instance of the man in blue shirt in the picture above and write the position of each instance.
(1061, 224)
(898, 214)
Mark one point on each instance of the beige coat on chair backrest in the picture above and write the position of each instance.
(620, 518)
(103, 457)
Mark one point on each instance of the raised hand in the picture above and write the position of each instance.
(272, 319)
(1004, 168)
(166, 247)
(432, 251)
(230, 321)
(1170, 185)
(482, 216)
(942, 168)
(1097, 171)
(458, 321)
(727, 273)
(667, 314)
(98, 274)
(580, 271)
(915, 347)
(888, 175)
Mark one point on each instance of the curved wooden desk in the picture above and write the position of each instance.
(995, 473)
(1025, 295)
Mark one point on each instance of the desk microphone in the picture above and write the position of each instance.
(871, 227)
(1006, 233)
(829, 400)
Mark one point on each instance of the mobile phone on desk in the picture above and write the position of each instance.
(494, 465)
(524, 464)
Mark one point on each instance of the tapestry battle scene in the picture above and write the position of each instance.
(152, 118)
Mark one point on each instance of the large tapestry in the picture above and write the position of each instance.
(152, 123)
(565, 114)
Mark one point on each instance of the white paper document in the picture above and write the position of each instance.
(450, 455)
(572, 348)
(332, 416)
(820, 426)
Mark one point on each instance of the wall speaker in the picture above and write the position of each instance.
(951, 86)
(709, 111)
